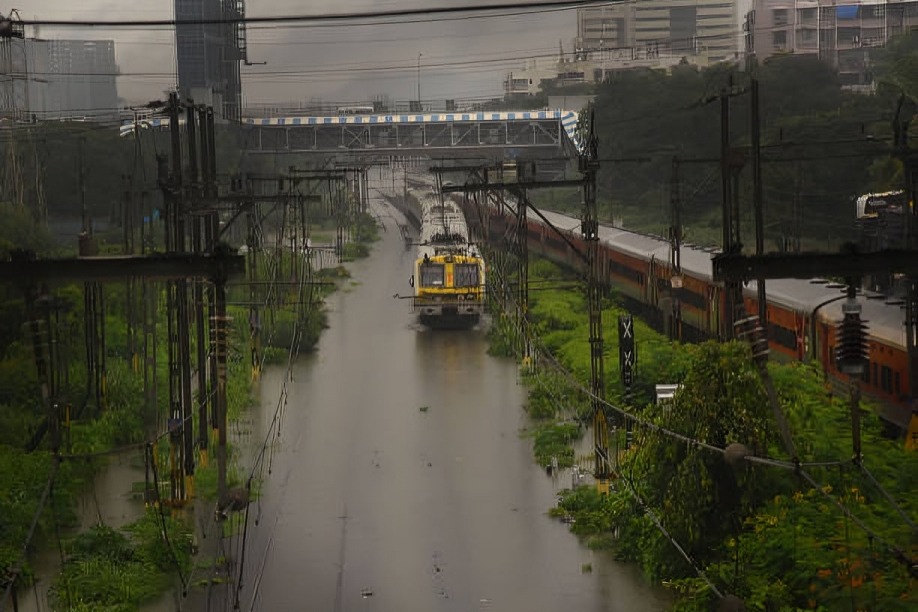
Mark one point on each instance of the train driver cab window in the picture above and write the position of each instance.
(465, 275)
(432, 275)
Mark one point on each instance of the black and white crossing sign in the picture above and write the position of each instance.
(626, 348)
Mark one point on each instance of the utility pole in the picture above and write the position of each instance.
(757, 196)
(93, 298)
(909, 159)
(522, 263)
(180, 429)
(420, 108)
(675, 251)
(731, 163)
(589, 166)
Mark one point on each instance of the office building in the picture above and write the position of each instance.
(209, 55)
(840, 34)
(701, 31)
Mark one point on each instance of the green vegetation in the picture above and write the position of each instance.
(114, 570)
(760, 532)
(823, 145)
(105, 568)
(366, 232)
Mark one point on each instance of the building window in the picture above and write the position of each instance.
(779, 39)
(779, 17)
(807, 14)
(898, 383)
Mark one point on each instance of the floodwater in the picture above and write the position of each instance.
(108, 500)
(374, 504)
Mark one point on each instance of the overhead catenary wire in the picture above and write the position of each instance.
(483, 11)
(17, 566)
(275, 425)
(796, 466)
(162, 520)
(523, 329)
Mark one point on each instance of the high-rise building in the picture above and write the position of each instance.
(702, 31)
(59, 79)
(208, 55)
(841, 32)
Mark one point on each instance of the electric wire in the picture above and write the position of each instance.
(17, 566)
(887, 496)
(653, 517)
(275, 423)
(486, 11)
(796, 466)
(68, 598)
(162, 519)
(522, 323)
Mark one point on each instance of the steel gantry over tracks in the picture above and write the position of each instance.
(550, 132)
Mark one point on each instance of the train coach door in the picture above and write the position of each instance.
(802, 344)
(714, 311)
(651, 288)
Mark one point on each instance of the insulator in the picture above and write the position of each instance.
(851, 344)
(749, 330)
(736, 453)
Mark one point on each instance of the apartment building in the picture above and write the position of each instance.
(208, 56)
(61, 79)
(702, 31)
(841, 33)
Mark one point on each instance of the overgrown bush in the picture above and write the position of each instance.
(113, 570)
(757, 531)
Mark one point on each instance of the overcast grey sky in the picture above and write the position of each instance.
(327, 52)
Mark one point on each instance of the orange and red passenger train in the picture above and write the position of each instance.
(802, 315)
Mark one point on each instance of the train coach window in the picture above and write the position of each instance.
(432, 275)
(783, 337)
(695, 300)
(465, 275)
(619, 269)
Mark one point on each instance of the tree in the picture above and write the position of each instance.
(701, 498)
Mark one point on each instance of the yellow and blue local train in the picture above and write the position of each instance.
(449, 271)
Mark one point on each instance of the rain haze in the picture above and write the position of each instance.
(462, 58)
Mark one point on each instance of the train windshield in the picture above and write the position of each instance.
(465, 275)
(872, 204)
(432, 275)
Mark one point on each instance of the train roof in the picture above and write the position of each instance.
(442, 217)
(884, 317)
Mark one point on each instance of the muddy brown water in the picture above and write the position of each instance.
(374, 504)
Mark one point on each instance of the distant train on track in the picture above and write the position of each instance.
(869, 204)
(802, 315)
(448, 277)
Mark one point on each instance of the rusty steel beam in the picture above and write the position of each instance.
(511, 186)
(121, 267)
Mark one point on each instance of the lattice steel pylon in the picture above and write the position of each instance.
(14, 86)
(14, 73)
(589, 165)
